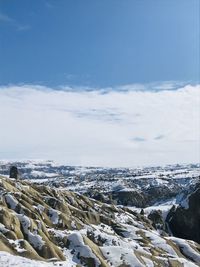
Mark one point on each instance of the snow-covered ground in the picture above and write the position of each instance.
(8, 260)
(87, 179)
(80, 230)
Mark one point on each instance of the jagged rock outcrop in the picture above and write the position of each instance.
(41, 223)
(158, 221)
(184, 220)
(157, 193)
(129, 198)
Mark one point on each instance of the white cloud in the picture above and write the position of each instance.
(91, 128)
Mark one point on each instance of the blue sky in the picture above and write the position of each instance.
(98, 43)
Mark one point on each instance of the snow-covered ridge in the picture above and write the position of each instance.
(167, 181)
(56, 227)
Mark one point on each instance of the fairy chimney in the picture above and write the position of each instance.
(14, 173)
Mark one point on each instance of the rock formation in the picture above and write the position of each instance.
(184, 220)
(14, 173)
(41, 223)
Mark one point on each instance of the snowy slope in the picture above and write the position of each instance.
(43, 226)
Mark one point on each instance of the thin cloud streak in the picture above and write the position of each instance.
(4, 18)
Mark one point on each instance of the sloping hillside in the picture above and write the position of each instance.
(52, 227)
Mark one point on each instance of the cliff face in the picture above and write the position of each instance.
(46, 224)
(184, 221)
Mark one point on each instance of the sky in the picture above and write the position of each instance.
(99, 43)
(100, 83)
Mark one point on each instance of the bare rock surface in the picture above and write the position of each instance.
(184, 220)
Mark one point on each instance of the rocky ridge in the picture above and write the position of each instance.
(140, 187)
(56, 227)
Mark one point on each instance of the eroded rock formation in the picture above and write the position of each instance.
(184, 220)
(42, 223)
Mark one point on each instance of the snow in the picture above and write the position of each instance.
(25, 221)
(159, 242)
(53, 215)
(147, 262)
(40, 208)
(185, 203)
(34, 239)
(187, 250)
(40, 180)
(73, 225)
(17, 245)
(11, 201)
(186, 263)
(164, 208)
(3, 229)
(118, 255)
(77, 243)
(38, 174)
(8, 260)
